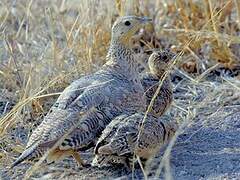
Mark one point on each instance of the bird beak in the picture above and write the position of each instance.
(145, 20)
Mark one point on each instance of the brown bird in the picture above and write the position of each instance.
(158, 63)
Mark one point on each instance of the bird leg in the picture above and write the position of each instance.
(77, 158)
(59, 154)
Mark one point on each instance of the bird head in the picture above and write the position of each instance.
(125, 27)
(159, 61)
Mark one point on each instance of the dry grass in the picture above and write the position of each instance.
(45, 45)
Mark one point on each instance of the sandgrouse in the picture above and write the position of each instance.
(91, 102)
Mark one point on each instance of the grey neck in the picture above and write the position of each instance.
(121, 59)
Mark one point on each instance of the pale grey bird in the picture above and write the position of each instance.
(91, 102)
(119, 139)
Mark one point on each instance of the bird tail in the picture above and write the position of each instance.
(29, 153)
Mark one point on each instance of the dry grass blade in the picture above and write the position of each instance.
(212, 18)
(238, 11)
(232, 83)
(207, 71)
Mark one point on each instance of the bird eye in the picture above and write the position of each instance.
(164, 57)
(127, 23)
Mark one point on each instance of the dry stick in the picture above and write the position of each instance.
(178, 107)
(76, 33)
(27, 17)
(72, 28)
(150, 107)
(232, 84)
(61, 9)
(1, 72)
(199, 78)
(54, 41)
(5, 108)
(195, 56)
(171, 143)
(142, 168)
(27, 86)
(20, 28)
(22, 22)
(168, 175)
(185, 75)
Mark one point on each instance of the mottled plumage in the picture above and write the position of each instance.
(158, 63)
(91, 102)
(119, 139)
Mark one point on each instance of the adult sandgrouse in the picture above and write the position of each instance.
(91, 102)
(120, 140)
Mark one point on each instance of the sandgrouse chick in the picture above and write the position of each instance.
(119, 141)
(92, 101)
(158, 63)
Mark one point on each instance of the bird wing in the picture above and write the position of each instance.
(121, 137)
(109, 131)
(73, 91)
(59, 121)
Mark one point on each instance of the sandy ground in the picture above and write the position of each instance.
(212, 152)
